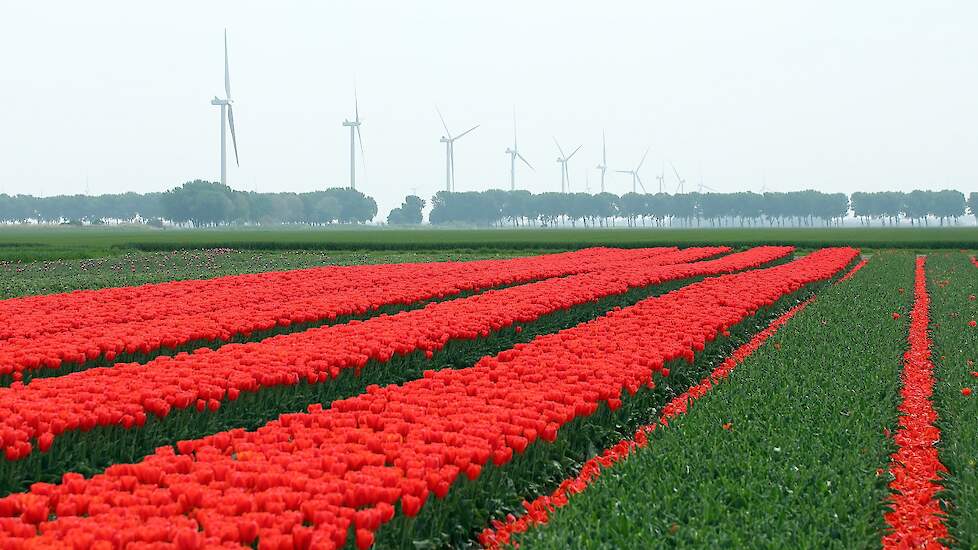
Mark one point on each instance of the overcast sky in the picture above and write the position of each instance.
(830, 95)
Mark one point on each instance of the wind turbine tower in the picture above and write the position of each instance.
(449, 142)
(227, 117)
(636, 179)
(355, 136)
(514, 154)
(603, 167)
(562, 160)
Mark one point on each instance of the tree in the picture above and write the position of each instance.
(948, 204)
(973, 204)
(409, 213)
(199, 202)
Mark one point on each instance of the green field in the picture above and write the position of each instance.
(24, 278)
(56, 242)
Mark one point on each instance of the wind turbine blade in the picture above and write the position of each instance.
(514, 130)
(356, 107)
(562, 155)
(519, 156)
(467, 131)
(640, 183)
(575, 151)
(604, 150)
(234, 139)
(641, 162)
(363, 156)
(674, 171)
(624, 171)
(227, 71)
(447, 132)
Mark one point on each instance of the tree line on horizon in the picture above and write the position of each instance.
(196, 203)
(200, 204)
(772, 209)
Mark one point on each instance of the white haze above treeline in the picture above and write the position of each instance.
(835, 96)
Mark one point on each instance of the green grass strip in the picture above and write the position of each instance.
(952, 281)
(802, 464)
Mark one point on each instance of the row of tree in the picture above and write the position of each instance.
(800, 208)
(916, 206)
(196, 203)
(200, 203)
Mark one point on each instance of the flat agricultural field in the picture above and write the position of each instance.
(797, 389)
(69, 242)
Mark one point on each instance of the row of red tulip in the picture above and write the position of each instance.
(915, 519)
(47, 331)
(33, 415)
(304, 480)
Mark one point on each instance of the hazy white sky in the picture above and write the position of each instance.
(832, 95)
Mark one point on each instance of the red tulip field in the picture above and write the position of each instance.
(701, 397)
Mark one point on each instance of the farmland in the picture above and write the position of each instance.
(608, 389)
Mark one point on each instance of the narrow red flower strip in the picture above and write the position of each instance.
(853, 271)
(538, 511)
(915, 519)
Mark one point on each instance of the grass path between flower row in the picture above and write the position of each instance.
(789, 452)
(953, 286)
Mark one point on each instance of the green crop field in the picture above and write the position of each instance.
(53, 243)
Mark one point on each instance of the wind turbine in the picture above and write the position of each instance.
(355, 126)
(562, 161)
(636, 179)
(513, 153)
(682, 182)
(449, 142)
(604, 160)
(662, 177)
(227, 117)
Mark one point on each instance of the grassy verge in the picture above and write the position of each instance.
(800, 463)
(953, 284)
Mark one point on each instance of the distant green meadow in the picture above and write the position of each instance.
(38, 243)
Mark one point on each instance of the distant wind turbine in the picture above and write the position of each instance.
(662, 177)
(449, 142)
(603, 167)
(514, 154)
(682, 182)
(355, 126)
(227, 117)
(563, 160)
(636, 179)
